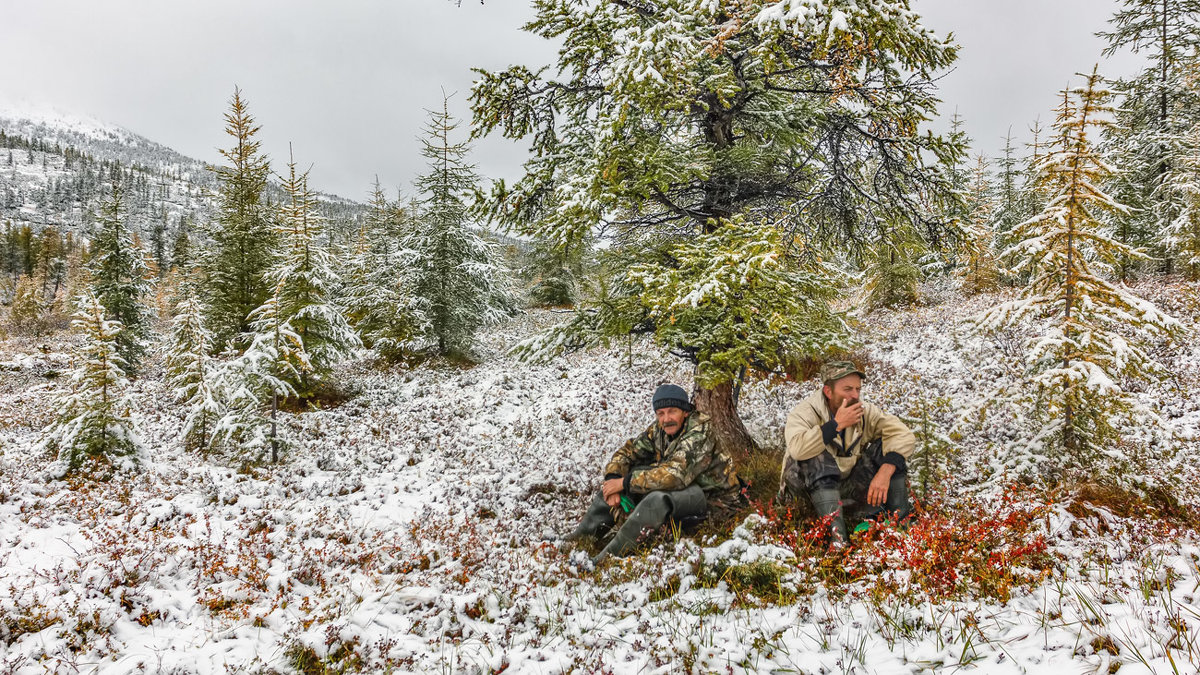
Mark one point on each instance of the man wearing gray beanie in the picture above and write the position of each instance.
(671, 471)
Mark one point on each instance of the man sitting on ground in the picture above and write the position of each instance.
(840, 446)
(671, 471)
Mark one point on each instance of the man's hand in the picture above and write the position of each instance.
(878, 490)
(612, 489)
(848, 415)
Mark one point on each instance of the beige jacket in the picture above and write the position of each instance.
(805, 439)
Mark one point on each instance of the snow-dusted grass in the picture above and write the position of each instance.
(412, 529)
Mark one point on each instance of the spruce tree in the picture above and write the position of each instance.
(1182, 235)
(377, 296)
(554, 272)
(119, 280)
(242, 237)
(190, 371)
(305, 278)
(252, 384)
(892, 270)
(181, 248)
(158, 245)
(1013, 204)
(95, 419)
(957, 170)
(665, 122)
(1094, 329)
(255, 382)
(457, 283)
(1158, 108)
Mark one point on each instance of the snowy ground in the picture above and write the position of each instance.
(411, 529)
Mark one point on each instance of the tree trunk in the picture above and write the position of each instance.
(1168, 259)
(726, 426)
(274, 428)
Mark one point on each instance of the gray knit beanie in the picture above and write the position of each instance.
(672, 396)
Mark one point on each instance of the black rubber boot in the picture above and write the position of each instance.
(827, 501)
(598, 518)
(650, 514)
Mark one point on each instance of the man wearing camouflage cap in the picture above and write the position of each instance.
(671, 471)
(839, 446)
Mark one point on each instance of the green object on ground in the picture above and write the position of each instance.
(862, 527)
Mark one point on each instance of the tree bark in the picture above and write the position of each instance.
(726, 426)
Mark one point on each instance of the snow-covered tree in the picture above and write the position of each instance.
(1013, 202)
(735, 298)
(242, 237)
(662, 121)
(252, 383)
(554, 271)
(1093, 328)
(377, 296)
(958, 172)
(95, 419)
(26, 314)
(191, 372)
(304, 278)
(979, 272)
(782, 307)
(118, 279)
(181, 249)
(459, 285)
(1182, 235)
(1159, 105)
(892, 270)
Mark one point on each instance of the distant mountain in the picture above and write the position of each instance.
(100, 140)
(56, 167)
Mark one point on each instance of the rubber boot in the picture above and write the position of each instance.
(650, 514)
(598, 516)
(897, 504)
(688, 503)
(828, 502)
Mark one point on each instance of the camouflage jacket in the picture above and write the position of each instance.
(650, 462)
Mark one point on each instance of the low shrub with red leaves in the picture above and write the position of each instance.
(975, 548)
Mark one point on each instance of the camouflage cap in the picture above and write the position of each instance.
(836, 370)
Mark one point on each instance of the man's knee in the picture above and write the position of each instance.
(810, 474)
(898, 498)
(689, 503)
(654, 505)
(820, 470)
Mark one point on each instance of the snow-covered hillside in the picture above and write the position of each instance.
(102, 140)
(56, 166)
(414, 528)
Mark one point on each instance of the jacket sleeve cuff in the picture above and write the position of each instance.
(897, 460)
(610, 476)
(628, 477)
(828, 431)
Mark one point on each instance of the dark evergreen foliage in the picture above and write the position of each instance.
(242, 237)
(118, 280)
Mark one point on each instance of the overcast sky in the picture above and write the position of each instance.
(347, 82)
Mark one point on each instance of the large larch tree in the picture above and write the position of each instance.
(777, 135)
(1095, 330)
